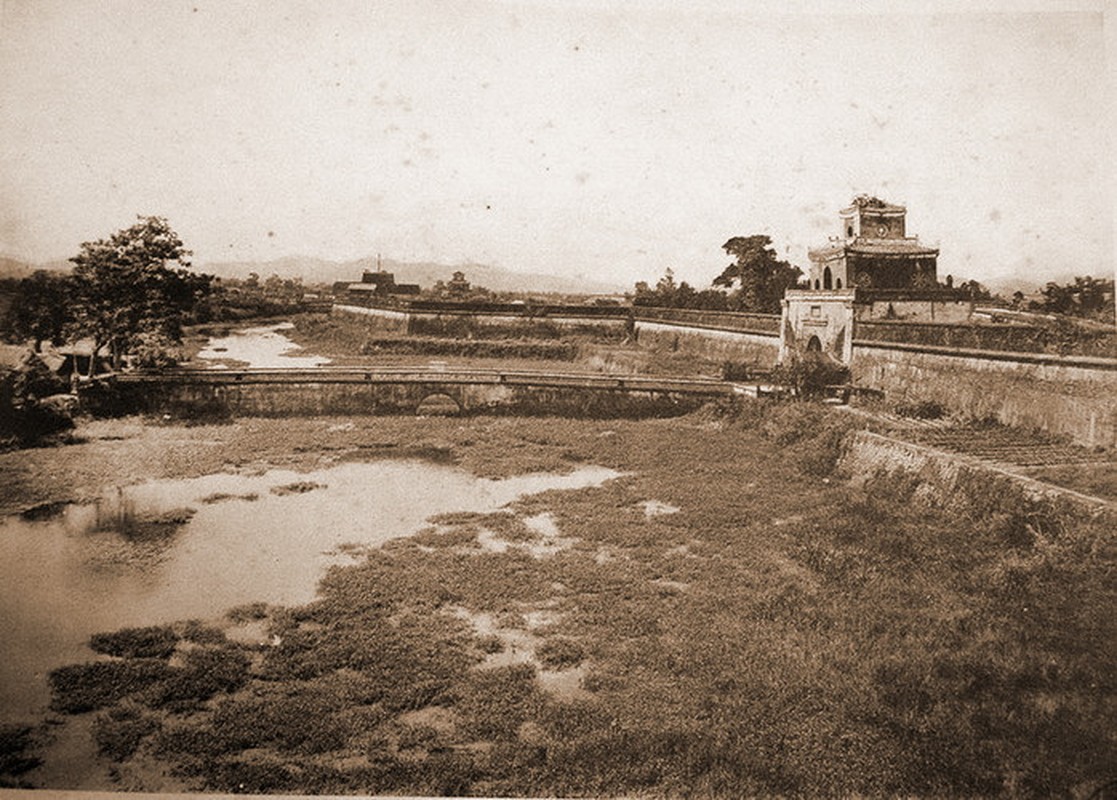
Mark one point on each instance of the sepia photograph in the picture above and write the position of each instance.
(557, 399)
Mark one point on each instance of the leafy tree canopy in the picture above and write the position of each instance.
(668, 294)
(1086, 297)
(40, 309)
(760, 277)
(133, 286)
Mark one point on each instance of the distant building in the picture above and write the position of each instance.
(873, 251)
(381, 282)
(378, 284)
(458, 285)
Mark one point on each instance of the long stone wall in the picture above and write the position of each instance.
(718, 320)
(379, 319)
(530, 323)
(1067, 340)
(756, 348)
(1065, 395)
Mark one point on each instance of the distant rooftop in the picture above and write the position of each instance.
(862, 201)
(864, 246)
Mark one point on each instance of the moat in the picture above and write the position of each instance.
(167, 550)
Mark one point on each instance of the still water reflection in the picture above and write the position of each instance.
(169, 550)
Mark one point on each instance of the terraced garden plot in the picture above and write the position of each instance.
(1016, 447)
(1009, 446)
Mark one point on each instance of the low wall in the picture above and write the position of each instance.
(530, 322)
(1067, 340)
(1076, 397)
(716, 320)
(944, 477)
(379, 319)
(755, 348)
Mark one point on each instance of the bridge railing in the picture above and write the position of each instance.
(409, 375)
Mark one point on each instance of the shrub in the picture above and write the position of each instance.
(736, 371)
(495, 702)
(299, 723)
(812, 435)
(77, 688)
(250, 777)
(205, 672)
(924, 409)
(298, 487)
(249, 612)
(198, 632)
(119, 732)
(809, 378)
(151, 642)
(155, 351)
(559, 653)
(33, 421)
(15, 741)
(490, 644)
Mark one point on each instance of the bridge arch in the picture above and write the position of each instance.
(438, 404)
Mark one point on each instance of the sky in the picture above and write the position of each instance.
(600, 139)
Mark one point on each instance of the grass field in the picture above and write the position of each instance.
(351, 342)
(728, 618)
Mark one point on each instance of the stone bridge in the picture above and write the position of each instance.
(409, 390)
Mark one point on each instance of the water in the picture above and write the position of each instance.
(96, 567)
(257, 347)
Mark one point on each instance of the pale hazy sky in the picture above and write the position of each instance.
(605, 139)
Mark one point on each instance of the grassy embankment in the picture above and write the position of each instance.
(1099, 480)
(351, 341)
(781, 633)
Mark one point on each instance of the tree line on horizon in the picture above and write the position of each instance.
(132, 293)
(757, 279)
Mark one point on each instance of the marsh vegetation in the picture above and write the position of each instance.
(778, 631)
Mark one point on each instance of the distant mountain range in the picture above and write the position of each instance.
(317, 270)
(426, 274)
(1033, 285)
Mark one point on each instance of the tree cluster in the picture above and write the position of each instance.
(755, 282)
(129, 293)
(1087, 297)
(668, 294)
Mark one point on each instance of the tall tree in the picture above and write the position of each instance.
(134, 285)
(40, 310)
(760, 277)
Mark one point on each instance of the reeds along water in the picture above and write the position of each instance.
(119, 513)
